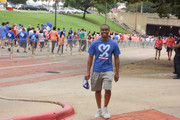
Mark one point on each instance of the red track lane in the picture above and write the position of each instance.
(142, 115)
(27, 70)
(38, 79)
(18, 62)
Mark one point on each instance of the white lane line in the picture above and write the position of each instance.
(30, 65)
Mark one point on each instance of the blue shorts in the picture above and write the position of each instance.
(23, 44)
(70, 42)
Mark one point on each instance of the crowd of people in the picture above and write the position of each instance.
(32, 37)
(171, 43)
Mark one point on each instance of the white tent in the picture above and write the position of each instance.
(61, 4)
(45, 3)
(51, 3)
(30, 2)
(39, 2)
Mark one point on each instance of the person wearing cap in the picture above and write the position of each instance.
(177, 58)
(170, 43)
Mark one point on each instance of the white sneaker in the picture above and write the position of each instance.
(106, 113)
(98, 114)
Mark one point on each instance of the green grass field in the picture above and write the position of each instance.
(91, 23)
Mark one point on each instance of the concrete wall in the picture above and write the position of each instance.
(139, 21)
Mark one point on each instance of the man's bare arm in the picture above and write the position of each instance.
(177, 46)
(117, 62)
(89, 64)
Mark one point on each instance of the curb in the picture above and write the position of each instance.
(66, 112)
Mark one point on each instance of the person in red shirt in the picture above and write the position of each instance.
(158, 47)
(170, 43)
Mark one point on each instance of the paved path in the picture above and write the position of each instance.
(34, 79)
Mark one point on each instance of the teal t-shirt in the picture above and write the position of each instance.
(81, 35)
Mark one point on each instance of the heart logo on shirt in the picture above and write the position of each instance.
(104, 49)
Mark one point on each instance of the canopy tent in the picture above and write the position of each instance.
(31, 2)
(4, 1)
(45, 3)
(39, 2)
(60, 4)
(51, 3)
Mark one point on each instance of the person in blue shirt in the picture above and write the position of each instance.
(103, 48)
(71, 31)
(33, 40)
(64, 32)
(10, 36)
(3, 32)
(22, 39)
(7, 26)
(116, 38)
(20, 27)
(69, 42)
(59, 32)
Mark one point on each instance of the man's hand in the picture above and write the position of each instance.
(116, 77)
(87, 76)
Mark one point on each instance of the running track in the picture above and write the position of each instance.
(23, 71)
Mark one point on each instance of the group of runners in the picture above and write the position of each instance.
(32, 37)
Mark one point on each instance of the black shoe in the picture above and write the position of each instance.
(174, 72)
(17, 50)
(3, 48)
(25, 51)
(176, 77)
(9, 49)
(169, 59)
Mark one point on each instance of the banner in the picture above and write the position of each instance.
(4, 1)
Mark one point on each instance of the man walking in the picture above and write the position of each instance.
(103, 48)
(53, 35)
(3, 32)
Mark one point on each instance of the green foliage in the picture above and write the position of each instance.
(147, 7)
(102, 7)
(108, 1)
(92, 22)
(80, 4)
(85, 4)
(163, 7)
(18, 1)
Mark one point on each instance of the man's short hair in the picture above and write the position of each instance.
(105, 25)
(54, 28)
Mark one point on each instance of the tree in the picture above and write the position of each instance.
(80, 4)
(163, 7)
(147, 7)
(102, 7)
(17, 1)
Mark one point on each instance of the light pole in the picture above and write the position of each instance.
(106, 13)
(136, 18)
(55, 12)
